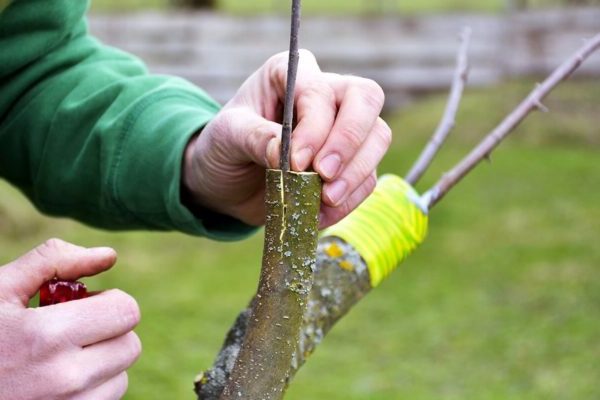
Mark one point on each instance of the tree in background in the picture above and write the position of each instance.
(205, 4)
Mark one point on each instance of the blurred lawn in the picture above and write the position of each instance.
(334, 6)
(501, 302)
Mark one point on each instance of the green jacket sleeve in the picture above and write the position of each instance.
(86, 132)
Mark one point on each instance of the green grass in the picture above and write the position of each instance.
(501, 302)
(331, 6)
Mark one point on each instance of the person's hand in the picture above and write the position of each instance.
(76, 350)
(339, 134)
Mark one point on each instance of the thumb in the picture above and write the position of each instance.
(22, 278)
(248, 137)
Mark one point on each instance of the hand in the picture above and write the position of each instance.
(77, 350)
(339, 134)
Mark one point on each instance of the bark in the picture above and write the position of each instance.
(341, 279)
(266, 354)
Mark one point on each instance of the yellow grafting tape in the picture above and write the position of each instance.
(386, 228)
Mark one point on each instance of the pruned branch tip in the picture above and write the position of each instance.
(495, 137)
(448, 120)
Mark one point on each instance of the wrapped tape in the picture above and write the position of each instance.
(386, 228)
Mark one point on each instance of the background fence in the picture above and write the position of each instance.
(408, 56)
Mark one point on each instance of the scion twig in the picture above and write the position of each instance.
(532, 102)
(288, 106)
(448, 120)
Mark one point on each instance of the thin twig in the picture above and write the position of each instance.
(494, 138)
(448, 120)
(288, 110)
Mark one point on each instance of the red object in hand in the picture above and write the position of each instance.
(56, 291)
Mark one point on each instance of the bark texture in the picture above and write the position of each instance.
(265, 357)
(341, 279)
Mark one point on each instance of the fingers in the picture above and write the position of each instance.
(361, 101)
(87, 321)
(21, 279)
(109, 358)
(361, 167)
(98, 371)
(238, 136)
(316, 110)
(113, 389)
(334, 113)
(331, 215)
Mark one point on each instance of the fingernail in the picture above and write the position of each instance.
(303, 158)
(335, 191)
(330, 165)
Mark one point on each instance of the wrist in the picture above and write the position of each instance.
(189, 196)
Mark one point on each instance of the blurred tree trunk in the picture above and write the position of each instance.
(206, 4)
(515, 5)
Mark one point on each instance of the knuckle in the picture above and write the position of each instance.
(42, 338)
(128, 308)
(70, 379)
(305, 53)
(370, 184)
(222, 124)
(351, 135)
(258, 138)
(132, 347)
(362, 168)
(51, 247)
(385, 133)
(276, 68)
(345, 209)
(278, 58)
(54, 243)
(373, 93)
(30, 332)
(316, 89)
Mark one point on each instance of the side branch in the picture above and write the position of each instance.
(494, 138)
(448, 120)
(288, 107)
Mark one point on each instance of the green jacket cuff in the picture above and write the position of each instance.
(147, 182)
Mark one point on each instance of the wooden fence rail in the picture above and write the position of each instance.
(406, 55)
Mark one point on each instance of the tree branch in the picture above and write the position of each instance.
(335, 291)
(448, 120)
(341, 274)
(532, 102)
(288, 107)
(264, 362)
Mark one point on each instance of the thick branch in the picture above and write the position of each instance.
(265, 359)
(342, 274)
(341, 279)
(448, 120)
(494, 138)
(288, 106)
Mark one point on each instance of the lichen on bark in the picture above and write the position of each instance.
(341, 279)
(263, 366)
